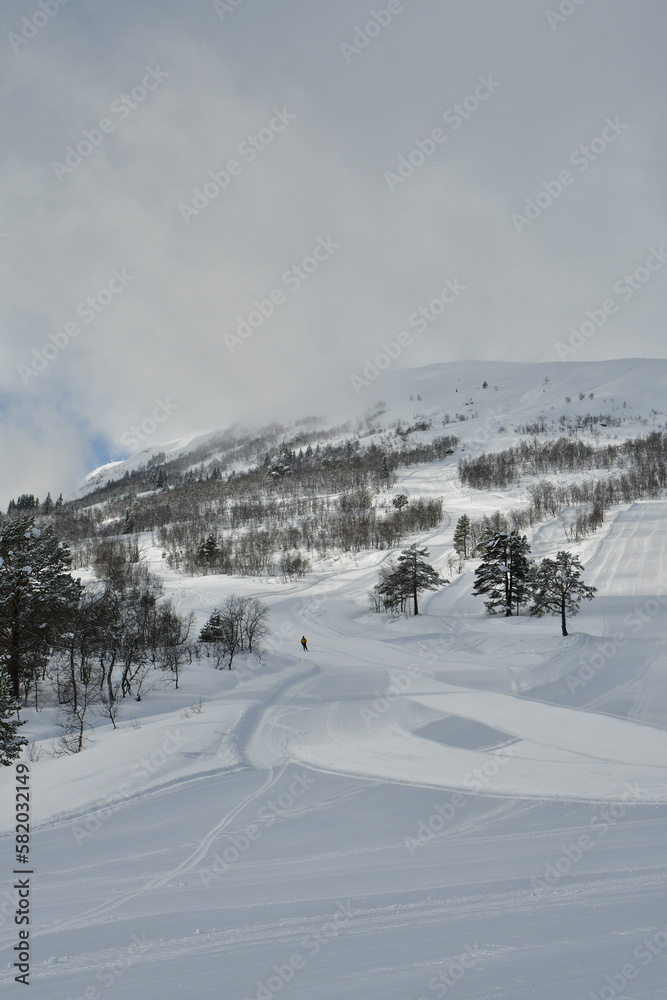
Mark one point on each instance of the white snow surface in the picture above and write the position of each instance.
(449, 805)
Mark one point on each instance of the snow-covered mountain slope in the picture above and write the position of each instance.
(451, 805)
(519, 399)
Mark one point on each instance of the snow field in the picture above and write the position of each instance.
(450, 805)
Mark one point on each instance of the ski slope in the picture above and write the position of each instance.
(449, 805)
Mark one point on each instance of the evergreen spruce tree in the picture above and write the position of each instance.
(558, 588)
(208, 551)
(11, 743)
(504, 574)
(38, 596)
(462, 536)
(26, 501)
(387, 593)
(411, 576)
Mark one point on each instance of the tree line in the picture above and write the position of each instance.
(643, 459)
(505, 577)
(91, 645)
(349, 523)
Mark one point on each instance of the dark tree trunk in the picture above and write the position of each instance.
(15, 665)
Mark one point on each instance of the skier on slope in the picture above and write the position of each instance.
(304, 643)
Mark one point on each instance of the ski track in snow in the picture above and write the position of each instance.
(556, 769)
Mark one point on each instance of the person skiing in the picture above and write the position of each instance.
(304, 643)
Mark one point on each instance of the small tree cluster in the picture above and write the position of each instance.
(237, 627)
(294, 565)
(38, 596)
(94, 645)
(509, 580)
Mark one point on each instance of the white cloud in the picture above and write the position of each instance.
(320, 176)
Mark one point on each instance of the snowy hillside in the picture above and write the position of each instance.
(445, 805)
(518, 395)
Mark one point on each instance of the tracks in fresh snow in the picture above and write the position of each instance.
(187, 865)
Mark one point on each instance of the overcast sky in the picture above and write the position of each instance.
(113, 114)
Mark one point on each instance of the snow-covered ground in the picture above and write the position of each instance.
(448, 805)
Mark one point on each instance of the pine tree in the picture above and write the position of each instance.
(208, 551)
(504, 572)
(47, 506)
(11, 743)
(462, 539)
(400, 501)
(558, 588)
(411, 576)
(26, 501)
(38, 596)
(387, 594)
